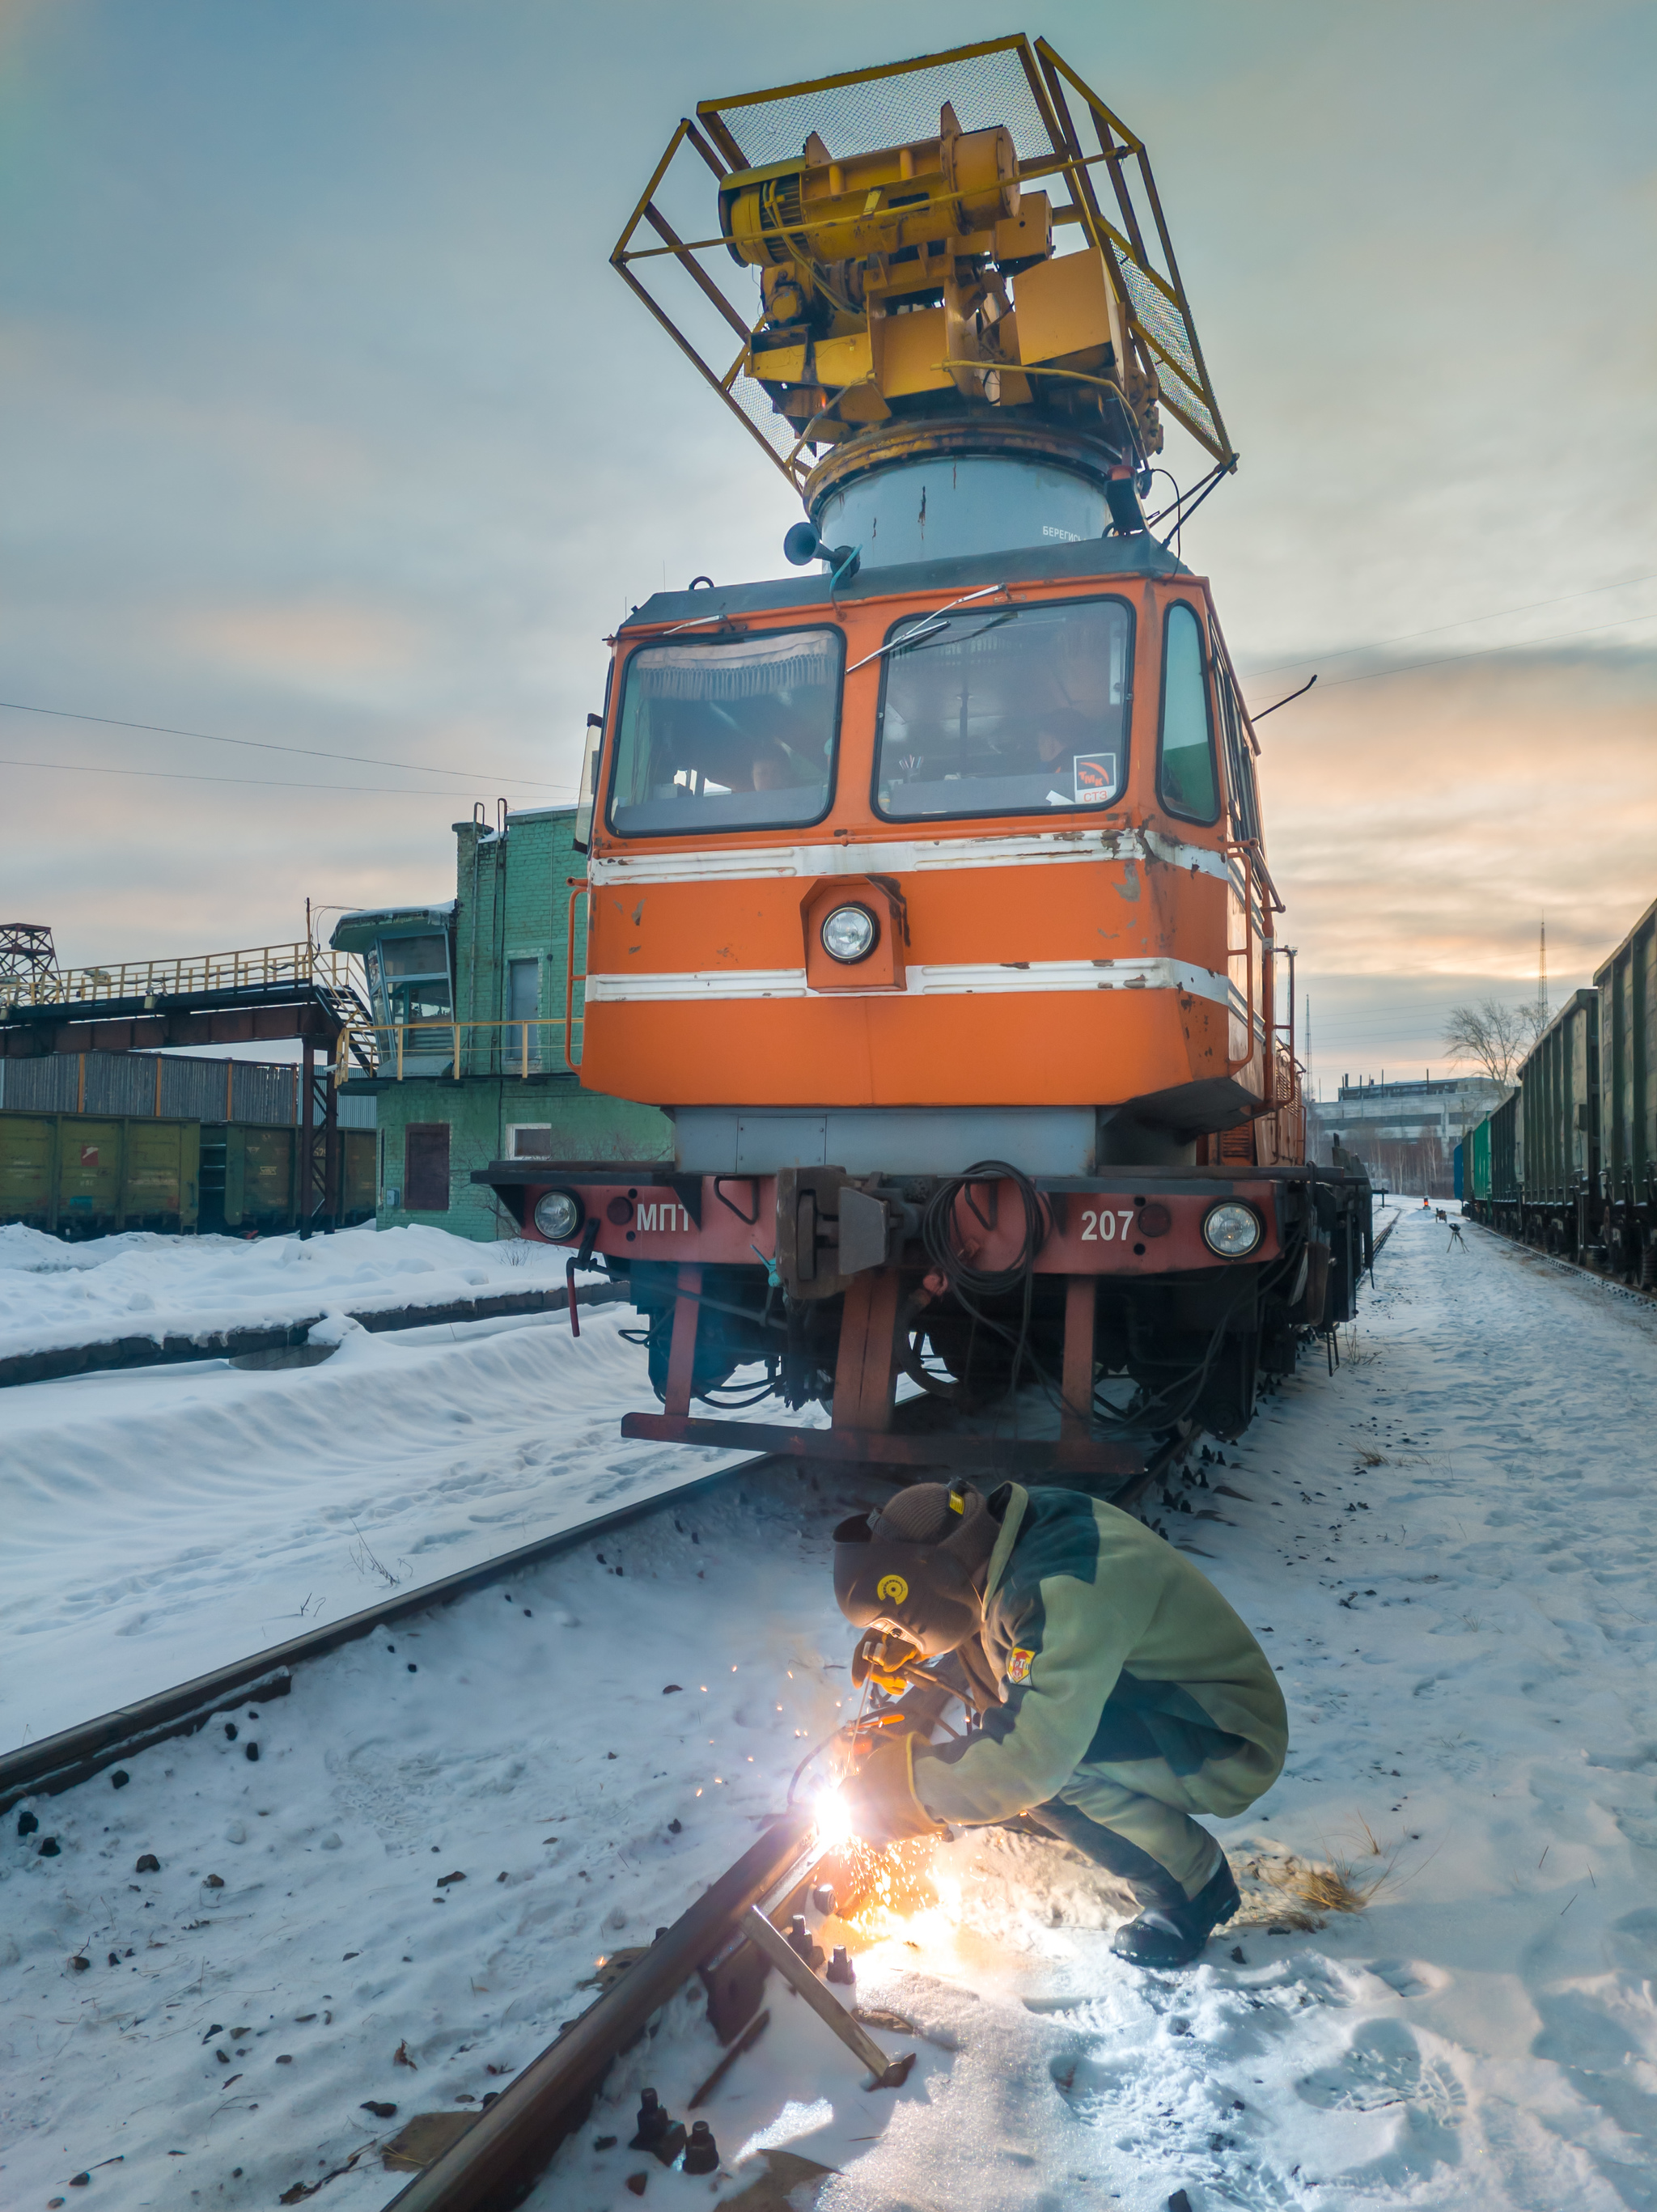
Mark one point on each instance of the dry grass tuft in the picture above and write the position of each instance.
(1372, 1459)
(1281, 1890)
(1334, 1888)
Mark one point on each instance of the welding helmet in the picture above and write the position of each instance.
(912, 1569)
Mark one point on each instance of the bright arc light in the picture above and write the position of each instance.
(833, 1819)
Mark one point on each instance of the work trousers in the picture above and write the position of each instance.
(1135, 1821)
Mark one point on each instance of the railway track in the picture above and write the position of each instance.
(58, 1762)
(1633, 1291)
(499, 2158)
(496, 2161)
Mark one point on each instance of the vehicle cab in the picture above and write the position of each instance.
(974, 834)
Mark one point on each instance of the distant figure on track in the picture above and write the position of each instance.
(1118, 1692)
(1443, 1216)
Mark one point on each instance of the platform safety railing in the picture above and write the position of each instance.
(404, 1051)
(250, 967)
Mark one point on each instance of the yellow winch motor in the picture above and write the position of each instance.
(823, 211)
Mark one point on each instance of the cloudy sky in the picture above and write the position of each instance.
(326, 427)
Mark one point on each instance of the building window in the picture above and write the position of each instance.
(523, 1009)
(426, 1168)
(529, 1140)
(413, 993)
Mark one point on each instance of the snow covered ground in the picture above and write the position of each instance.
(1447, 1550)
(163, 1520)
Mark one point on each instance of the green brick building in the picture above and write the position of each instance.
(468, 997)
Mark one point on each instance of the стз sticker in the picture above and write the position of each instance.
(1018, 1664)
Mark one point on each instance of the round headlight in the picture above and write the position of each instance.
(1231, 1230)
(557, 1215)
(850, 933)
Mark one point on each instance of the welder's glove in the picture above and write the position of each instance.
(883, 1659)
(880, 1797)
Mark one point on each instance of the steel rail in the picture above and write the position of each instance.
(58, 1762)
(1614, 1284)
(498, 2159)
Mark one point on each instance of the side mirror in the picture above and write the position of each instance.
(587, 791)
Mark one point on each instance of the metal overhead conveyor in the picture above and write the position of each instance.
(253, 996)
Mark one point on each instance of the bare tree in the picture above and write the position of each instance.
(1494, 1036)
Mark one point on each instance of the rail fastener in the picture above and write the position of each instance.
(888, 2073)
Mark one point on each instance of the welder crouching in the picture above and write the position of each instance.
(1117, 1693)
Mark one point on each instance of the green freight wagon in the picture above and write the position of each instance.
(1475, 1148)
(84, 1175)
(1559, 1116)
(250, 1177)
(1627, 986)
(1506, 1166)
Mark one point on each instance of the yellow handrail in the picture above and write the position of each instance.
(187, 973)
(384, 1046)
(390, 1046)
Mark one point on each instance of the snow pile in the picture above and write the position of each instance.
(53, 1293)
(1445, 1548)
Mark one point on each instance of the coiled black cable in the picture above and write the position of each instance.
(937, 1233)
(970, 1286)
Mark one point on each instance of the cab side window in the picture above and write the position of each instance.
(1186, 776)
(1239, 763)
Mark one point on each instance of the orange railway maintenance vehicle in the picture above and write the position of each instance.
(926, 889)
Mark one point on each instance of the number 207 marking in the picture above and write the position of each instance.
(1101, 1228)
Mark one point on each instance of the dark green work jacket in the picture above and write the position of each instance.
(1108, 1652)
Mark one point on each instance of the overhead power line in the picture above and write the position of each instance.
(269, 746)
(246, 782)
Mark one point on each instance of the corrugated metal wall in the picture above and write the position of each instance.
(177, 1088)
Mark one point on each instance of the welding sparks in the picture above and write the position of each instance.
(894, 1892)
(833, 1819)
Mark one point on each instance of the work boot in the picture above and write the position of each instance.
(1173, 1934)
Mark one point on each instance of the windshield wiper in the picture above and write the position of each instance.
(928, 628)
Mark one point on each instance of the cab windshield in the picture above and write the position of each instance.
(731, 735)
(1005, 711)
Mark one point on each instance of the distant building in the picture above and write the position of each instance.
(468, 997)
(1406, 1133)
